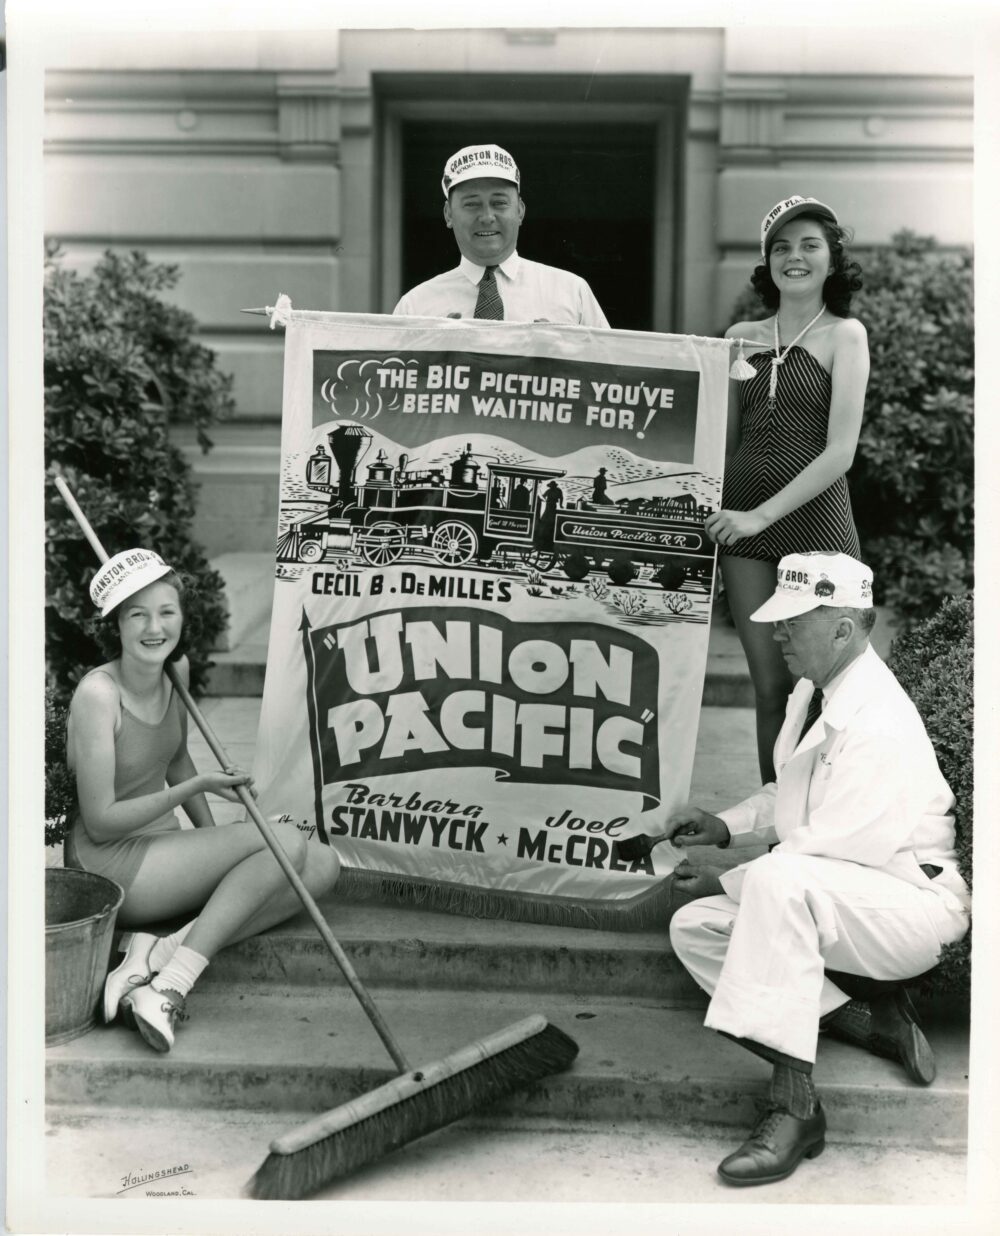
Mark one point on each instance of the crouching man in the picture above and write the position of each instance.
(861, 878)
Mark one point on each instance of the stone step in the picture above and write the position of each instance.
(300, 1052)
(238, 485)
(408, 947)
(248, 598)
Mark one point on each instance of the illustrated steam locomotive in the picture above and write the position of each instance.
(471, 512)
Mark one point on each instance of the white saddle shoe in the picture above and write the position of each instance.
(155, 1013)
(133, 972)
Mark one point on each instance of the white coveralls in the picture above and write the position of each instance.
(530, 291)
(856, 808)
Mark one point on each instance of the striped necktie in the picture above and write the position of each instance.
(488, 303)
(812, 713)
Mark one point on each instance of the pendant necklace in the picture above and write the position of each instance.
(779, 357)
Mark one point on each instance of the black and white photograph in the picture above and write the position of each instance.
(491, 584)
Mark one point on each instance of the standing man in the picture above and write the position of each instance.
(861, 878)
(483, 207)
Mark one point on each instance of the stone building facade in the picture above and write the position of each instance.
(309, 163)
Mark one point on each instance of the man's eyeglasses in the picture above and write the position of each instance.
(788, 626)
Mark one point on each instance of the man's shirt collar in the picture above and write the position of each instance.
(474, 273)
(848, 687)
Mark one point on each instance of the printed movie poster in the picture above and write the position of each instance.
(492, 596)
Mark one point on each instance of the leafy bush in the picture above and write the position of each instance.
(911, 484)
(60, 785)
(119, 363)
(934, 663)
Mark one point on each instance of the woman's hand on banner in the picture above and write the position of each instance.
(692, 826)
(697, 881)
(725, 527)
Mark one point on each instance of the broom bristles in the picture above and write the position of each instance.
(460, 1092)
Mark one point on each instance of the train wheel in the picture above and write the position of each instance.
(671, 575)
(454, 544)
(310, 551)
(382, 544)
(576, 566)
(621, 570)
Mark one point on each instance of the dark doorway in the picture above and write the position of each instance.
(589, 192)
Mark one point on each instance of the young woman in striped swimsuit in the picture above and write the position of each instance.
(793, 430)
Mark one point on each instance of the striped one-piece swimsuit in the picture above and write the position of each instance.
(775, 447)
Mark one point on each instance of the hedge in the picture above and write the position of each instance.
(934, 664)
(121, 363)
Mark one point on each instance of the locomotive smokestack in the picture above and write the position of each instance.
(465, 470)
(347, 444)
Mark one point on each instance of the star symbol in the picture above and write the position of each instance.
(502, 839)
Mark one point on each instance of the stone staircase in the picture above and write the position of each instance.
(276, 1032)
(276, 1035)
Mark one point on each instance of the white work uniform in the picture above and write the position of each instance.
(530, 291)
(857, 807)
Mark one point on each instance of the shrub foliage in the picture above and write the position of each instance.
(911, 484)
(120, 362)
(60, 785)
(934, 663)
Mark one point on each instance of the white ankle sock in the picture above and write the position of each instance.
(181, 972)
(164, 947)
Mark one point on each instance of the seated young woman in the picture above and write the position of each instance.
(127, 744)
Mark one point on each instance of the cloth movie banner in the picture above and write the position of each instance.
(492, 596)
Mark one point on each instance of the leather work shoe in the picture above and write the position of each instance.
(778, 1144)
(887, 1027)
(133, 971)
(155, 1013)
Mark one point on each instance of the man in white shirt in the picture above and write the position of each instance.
(861, 878)
(483, 207)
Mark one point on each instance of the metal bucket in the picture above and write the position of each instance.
(80, 910)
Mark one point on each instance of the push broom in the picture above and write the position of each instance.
(416, 1102)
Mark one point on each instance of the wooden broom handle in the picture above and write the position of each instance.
(246, 798)
(311, 908)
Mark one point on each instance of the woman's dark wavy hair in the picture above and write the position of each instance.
(108, 636)
(839, 287)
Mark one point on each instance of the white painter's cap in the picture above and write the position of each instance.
(786, 210)
(806, 581)
(123, 575)
(473, 162)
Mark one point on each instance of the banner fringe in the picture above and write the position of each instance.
(647, 910)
